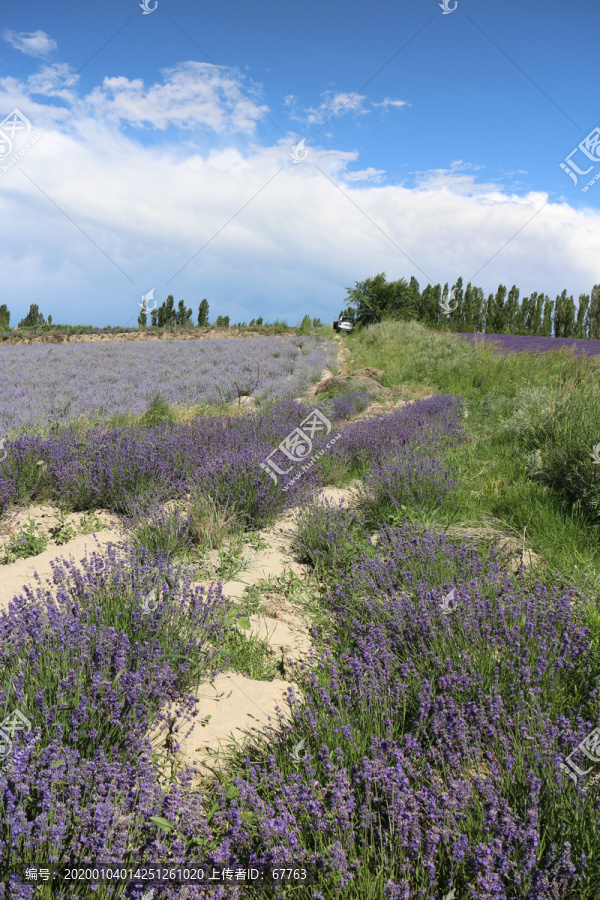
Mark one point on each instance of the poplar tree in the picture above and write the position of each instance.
(203, 314)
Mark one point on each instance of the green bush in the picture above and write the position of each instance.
(560, 432)
(305, 325)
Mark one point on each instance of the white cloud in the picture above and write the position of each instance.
(267, 237)
(370, 174)
(192, 94)
(332, 104)
(32, 43)
(396, 103)
(457, 180)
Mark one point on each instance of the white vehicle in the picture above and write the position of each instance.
(344, 323)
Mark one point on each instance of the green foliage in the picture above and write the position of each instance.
(162, 535)
(203, 314)
(63, 531)
(211, 523)
(5, 316)
(158, 411)
(376, 299)
(28, 542)
(305, 325)
(534, 420)
(559, 430)
(183, 316)
(89, 523)
(33, 318)
(222, 322)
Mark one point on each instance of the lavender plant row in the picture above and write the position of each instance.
(41, 386)
(432, 742)
(91, 672)
(438, 737)
(113, 469)
(523, 342)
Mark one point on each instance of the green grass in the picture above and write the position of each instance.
(533, 420)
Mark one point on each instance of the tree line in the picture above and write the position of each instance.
(504, 312)
(167, 315)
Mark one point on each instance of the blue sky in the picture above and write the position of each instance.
(154, 152)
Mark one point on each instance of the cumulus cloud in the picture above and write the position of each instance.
(191, 94)
(98, 215)
(32, 43)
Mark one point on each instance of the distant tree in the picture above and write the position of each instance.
(49, 320)
(456, 319)
(143, 318)
(372, 299)
(316, 323)
(478, 309)
(4, 316)
(593, 315)
(498, 313)
(225, 321)
(511, 311)
(582, 310)
(537, 314)
(183, 315)
(521, 316)
(402, 300)
(33, 318)
(259, 321)
(222, 322)
(305, 325)
(203, 314)
(467, 323)
(488, 314)
(564, 316)
(429, 305)
(547, 318)
(166, 314)
(154, 316)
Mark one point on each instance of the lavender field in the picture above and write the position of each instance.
(443, 697)
(516, 343)
(42, 386)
